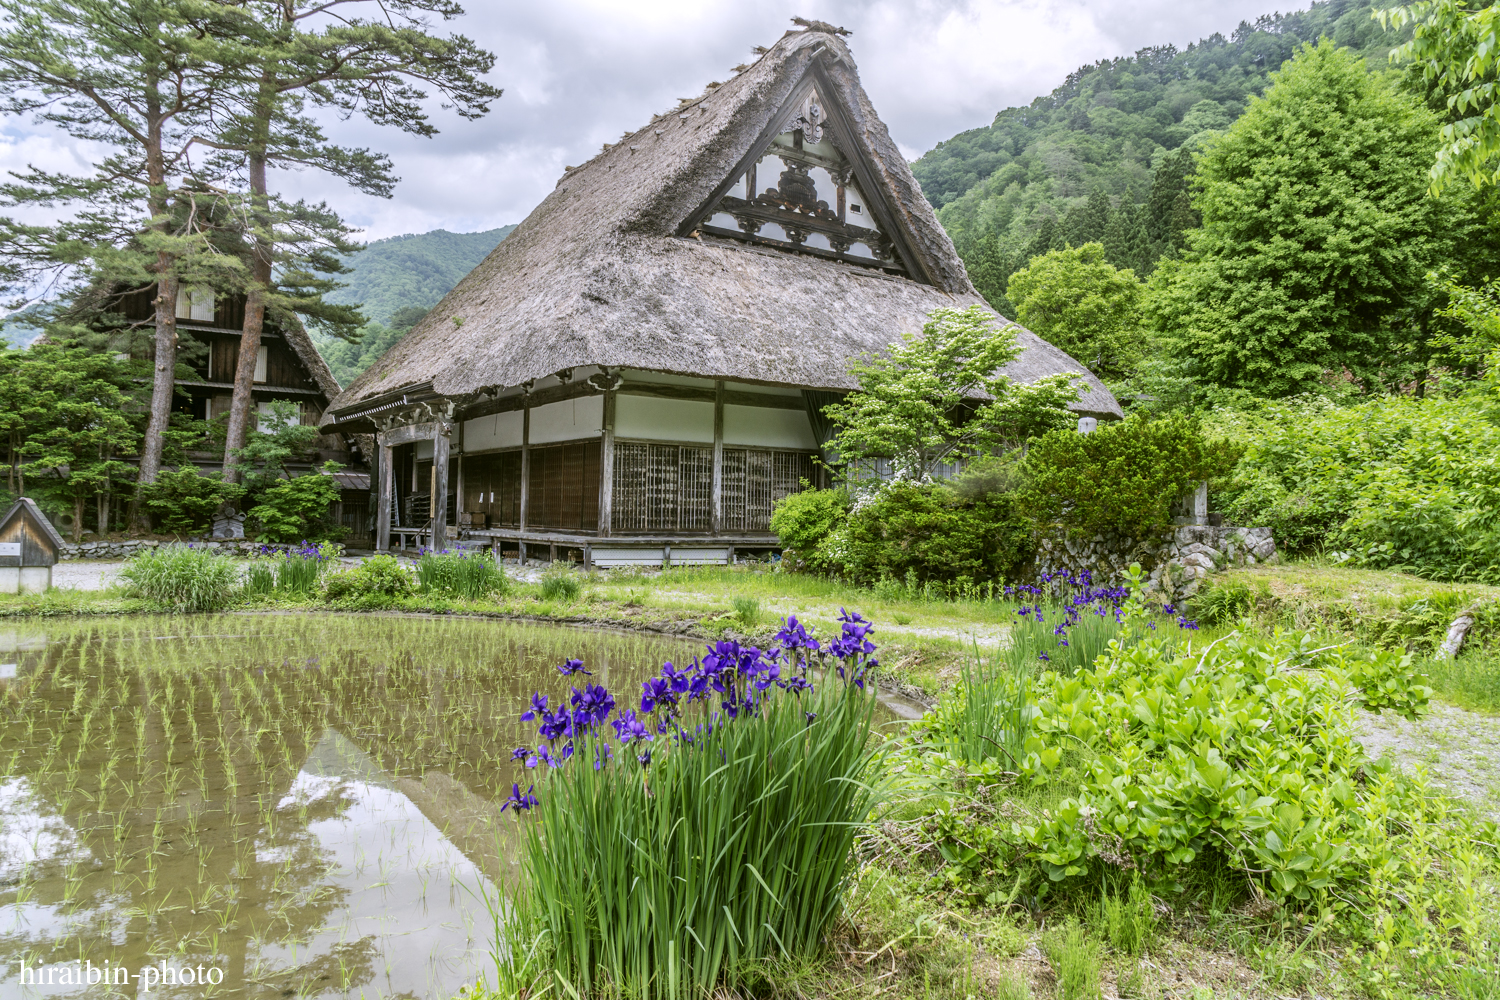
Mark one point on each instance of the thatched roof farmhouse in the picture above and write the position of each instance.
(638, 371)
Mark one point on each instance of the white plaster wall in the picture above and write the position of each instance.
(764, 427)
(654, 419)
(424, 449)
(498, 430)
(568, 420)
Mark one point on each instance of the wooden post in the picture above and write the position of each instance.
(525, 463)
(607, 466)
(440, 486)
(383, 514)
(716, 515)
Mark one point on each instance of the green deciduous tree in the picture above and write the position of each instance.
(939, 395)
(1079, 302)
(1317, 235)
(1455, 46)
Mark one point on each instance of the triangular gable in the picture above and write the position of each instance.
(26, 508)
(804, 187)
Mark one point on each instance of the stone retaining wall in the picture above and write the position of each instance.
(1176, 563)
(126, 548)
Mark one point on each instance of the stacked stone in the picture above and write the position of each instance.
(1176, 563)
(126, 548)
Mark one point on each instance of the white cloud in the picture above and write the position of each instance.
(578, 73)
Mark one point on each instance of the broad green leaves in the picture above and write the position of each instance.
(939, 396)
(1078, 302)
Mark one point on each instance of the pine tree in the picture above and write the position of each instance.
(140, 78)
(1087, 221)
(989, 269)
(1168, 182)
(1048, 237)
(1125, 241)
(331, 53)
(1317, 235)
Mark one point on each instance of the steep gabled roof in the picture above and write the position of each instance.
(607, 271)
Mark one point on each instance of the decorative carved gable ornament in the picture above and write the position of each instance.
(802, 189)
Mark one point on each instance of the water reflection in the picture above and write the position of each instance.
(307, 804)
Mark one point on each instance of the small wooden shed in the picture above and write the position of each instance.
(29, 547)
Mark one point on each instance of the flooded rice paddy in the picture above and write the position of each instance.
(305, 805)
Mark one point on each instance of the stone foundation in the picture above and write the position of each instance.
(128, 547)
(1176, 563)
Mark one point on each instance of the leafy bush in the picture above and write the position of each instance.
(473, 576)
(185, 501)
(560, 583)
(182, 577)
(378, 578)
(684, 848)
(292, 509)
(803, 520)
(1240, 754)
(1398, 483)
(925, 532)
(1123, 477)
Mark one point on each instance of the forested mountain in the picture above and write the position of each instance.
(413, 271)
(1104, 156)
(397, 280)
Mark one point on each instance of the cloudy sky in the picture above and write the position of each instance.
(578, 73)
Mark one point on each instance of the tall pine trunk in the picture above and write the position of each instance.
(164, 363)
(255, 298)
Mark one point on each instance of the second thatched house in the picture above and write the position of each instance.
(638, 371)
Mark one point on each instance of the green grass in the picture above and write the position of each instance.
(1471, 681)
(182, 578)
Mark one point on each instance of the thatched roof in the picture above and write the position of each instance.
(307, 352)
(600, 274)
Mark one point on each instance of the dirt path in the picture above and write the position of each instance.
(1459, 749)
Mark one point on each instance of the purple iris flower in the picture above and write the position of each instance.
(629, 728)
(657, 691)
(573, 667)
(519, 753)
(538, 707)
(522, 801)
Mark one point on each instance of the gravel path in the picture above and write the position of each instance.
(1459, 749)
(86, 574)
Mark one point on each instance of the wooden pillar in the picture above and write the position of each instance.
(716, 516)
(387, 476)
(525, 461)
(607, 466)
(440, 486)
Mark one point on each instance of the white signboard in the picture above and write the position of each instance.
(10, 549)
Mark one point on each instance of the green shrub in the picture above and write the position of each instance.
(1223, 603)
(184, 501)
(922, 532)
(682, 858)
(381, 577)
(182, 577)
(1123, 477)
(560, 583)
(1398, 483)
(473, 576)
(803, 520)
(293, 509)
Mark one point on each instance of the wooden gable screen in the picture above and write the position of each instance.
(668, 487)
